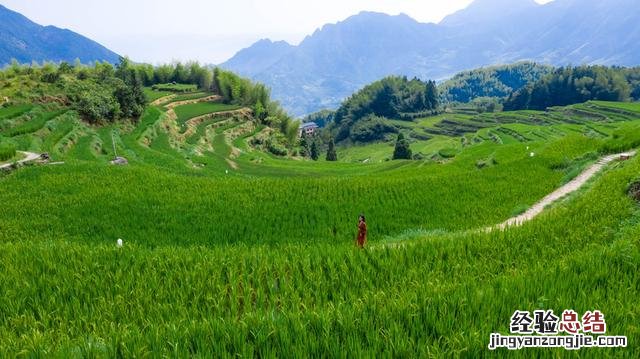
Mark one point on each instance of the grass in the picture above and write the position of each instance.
(442, 296)
(7, 151)
(32, 125)
(14, 111)
(259, 261)
(153, 95)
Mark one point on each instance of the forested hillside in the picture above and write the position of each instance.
(569, 85)
(104, 93)
(495, 81)
(361, 118)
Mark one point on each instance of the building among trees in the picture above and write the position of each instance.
(308, 128)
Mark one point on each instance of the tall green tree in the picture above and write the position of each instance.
(315, 151)
(129, 90)
(332, 155)
(402, 150)
(180, 74)
(305, 146)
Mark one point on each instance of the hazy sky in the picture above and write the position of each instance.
(209, 31)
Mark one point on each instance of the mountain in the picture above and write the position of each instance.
(26, 41)
(483, 11)
(338, 59)
(259, 57)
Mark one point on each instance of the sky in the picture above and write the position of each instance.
(209, 31)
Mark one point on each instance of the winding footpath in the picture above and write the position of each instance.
(29, 156)
(568, 188)
(539, 207)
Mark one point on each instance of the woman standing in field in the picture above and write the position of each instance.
(362, 231)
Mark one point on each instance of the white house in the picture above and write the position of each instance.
(308, 128)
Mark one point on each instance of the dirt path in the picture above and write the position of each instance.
(568, 188)
(29, 156)
(539, 207)
(162, 100)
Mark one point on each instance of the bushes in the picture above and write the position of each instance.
(94, 102)
(448, 152)
(371, 128)
(174, 87)
(275, 147)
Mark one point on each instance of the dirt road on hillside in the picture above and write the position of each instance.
(29, 156)
(568, 188)
(539, 207)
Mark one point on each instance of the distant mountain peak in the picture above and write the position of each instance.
(267, 42)
(377, 16)
(258, 57)
(26, 41)
(338, 59)
(483, 10)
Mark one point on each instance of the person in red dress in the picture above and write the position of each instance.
(362, 231)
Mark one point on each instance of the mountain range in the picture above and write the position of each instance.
(338, 59)
(25, 41)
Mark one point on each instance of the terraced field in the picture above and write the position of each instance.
(231, 251)
(594, 119)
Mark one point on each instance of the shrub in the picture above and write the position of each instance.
(402, 150)
(371, 128)
(276, 148)
(448, 152)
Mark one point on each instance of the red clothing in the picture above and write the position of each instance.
(362, 234)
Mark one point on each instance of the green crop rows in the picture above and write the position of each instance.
(257, 259)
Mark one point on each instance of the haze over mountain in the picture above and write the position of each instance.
(338, 59)
(26, 41)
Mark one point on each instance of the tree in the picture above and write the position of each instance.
(431, 95)
(65, 68)
(305, 146)
(163, 74)
(180, 74)
(331, 152)
(402, 150)
(129, 90)
(569, 85)
(392, 97)
(315, 151)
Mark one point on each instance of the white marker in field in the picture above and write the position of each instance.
(226, 171)
(119, 243)
(532, 154)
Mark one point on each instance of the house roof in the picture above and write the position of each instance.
(309, 125)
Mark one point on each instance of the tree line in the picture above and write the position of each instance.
(99, 92)
(570, 85)
(491, 82)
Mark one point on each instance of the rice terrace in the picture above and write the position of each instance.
(179, 210)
